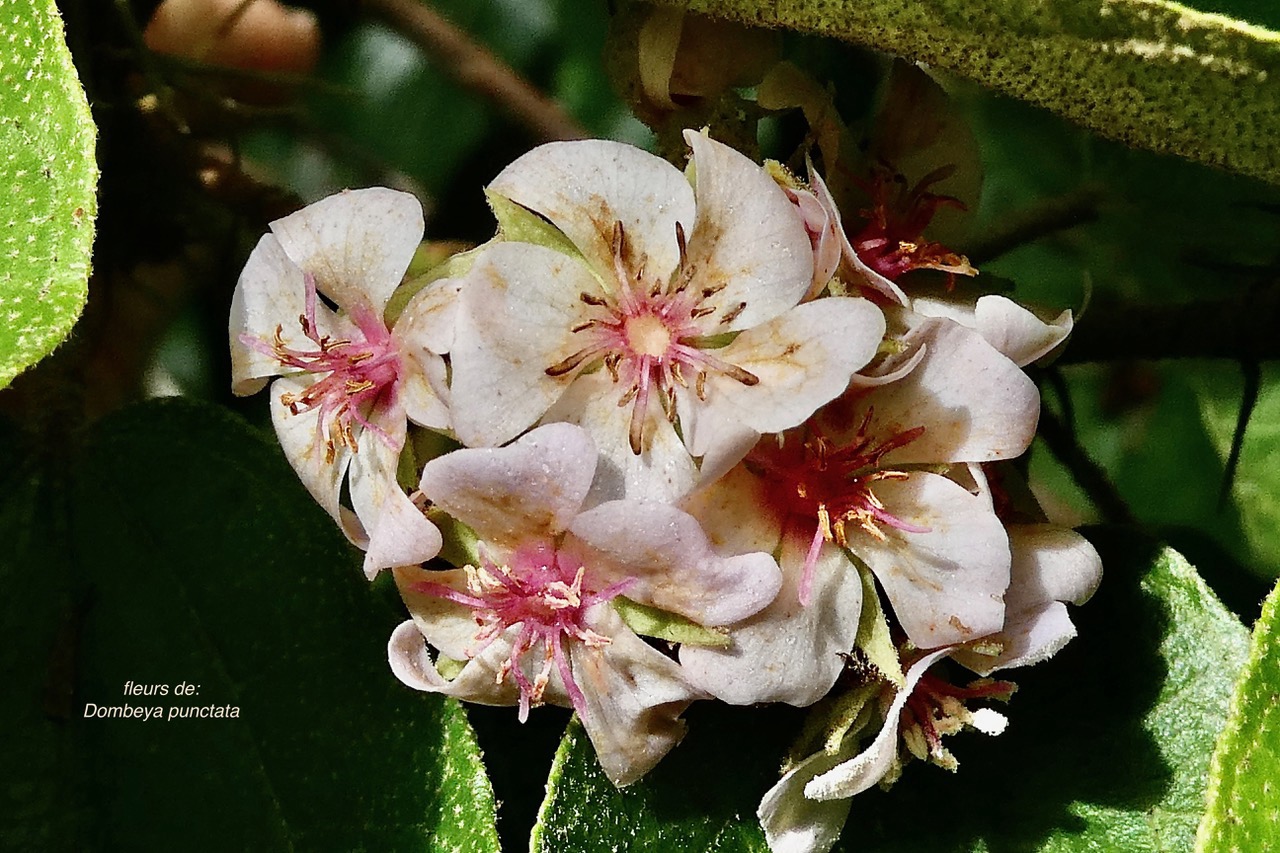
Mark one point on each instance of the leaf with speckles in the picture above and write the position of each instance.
(47, 180)
(1151, 73)
(1107, 749)
(1244, 780)
(184, 550)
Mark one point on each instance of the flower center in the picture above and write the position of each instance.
(355, 375)
(892, 242)
(650, 336)
(937, 708)
(815, 482)
(541, 593)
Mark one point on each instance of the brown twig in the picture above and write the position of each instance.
(476, 68)
(1088, 474)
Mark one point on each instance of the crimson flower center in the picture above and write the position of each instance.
(813, 481)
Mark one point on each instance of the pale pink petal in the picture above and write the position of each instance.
(270, 293)
(529, 490)
(304, 448)
(787, 652)
(357, 244)
(423, 389)
(399, 533)
(802, 360)
(411, 662)
(746, 238)
(974, 404)
(946, 585)
(856, 775)
(662, 471)
(868, 277)
(1017, 332)
(428, 321)
(1051, 565)
(634, 698)
(669, 562)
(519, 304)
(448, 626)
(584, 188)
(733, 515)
(792, 822)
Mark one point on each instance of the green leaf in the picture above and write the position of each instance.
(1151, 73)
(47, 177)
(1108, 746)
(1243, 795)
(199, 559)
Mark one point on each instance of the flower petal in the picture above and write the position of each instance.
(399, 534)
(946, 585)
(787, 652)
(1018, 333)
(669, 561)
(856, 775)
(792, 822)
(585, 187)
(269, 294)
(531, 489)
(1051, 565)
(747, 238)
(802, 360)
(519, 304)
(357, 244)
(423, 389)
(662, 471)
(428, 321)
(974, 404)
(634, 697)
(301, 442)
(411, 662)
(446, 625)
(733, 515)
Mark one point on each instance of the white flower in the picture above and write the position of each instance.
(532, 618)
(347, 384)
(627, 337)
(852, 482)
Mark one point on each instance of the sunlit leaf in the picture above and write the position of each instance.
(1151, 73)
(1244, 782)
(47, 181)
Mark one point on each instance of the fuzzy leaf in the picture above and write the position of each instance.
(1244, 791)
(1144, 688)
(184, 550)
(48, 176)
(1151, 73)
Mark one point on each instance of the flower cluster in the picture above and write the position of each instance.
(710, 444)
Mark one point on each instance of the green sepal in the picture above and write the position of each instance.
(662, 625)
(449, 668)
(873, 633)
(460, 545)
(455, 266)
(831, 721)
(518, 224)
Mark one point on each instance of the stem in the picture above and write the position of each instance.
(1039, 220)
(1088, 474)
(1241, 328)
(477, 69)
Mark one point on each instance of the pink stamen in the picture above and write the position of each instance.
(356, 376)
(542, 593)
(648, 334)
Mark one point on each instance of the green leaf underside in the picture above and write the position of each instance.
(1244, 781)
(202, 560)
(47, 180)
(1152, 74)
(1108, 745)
